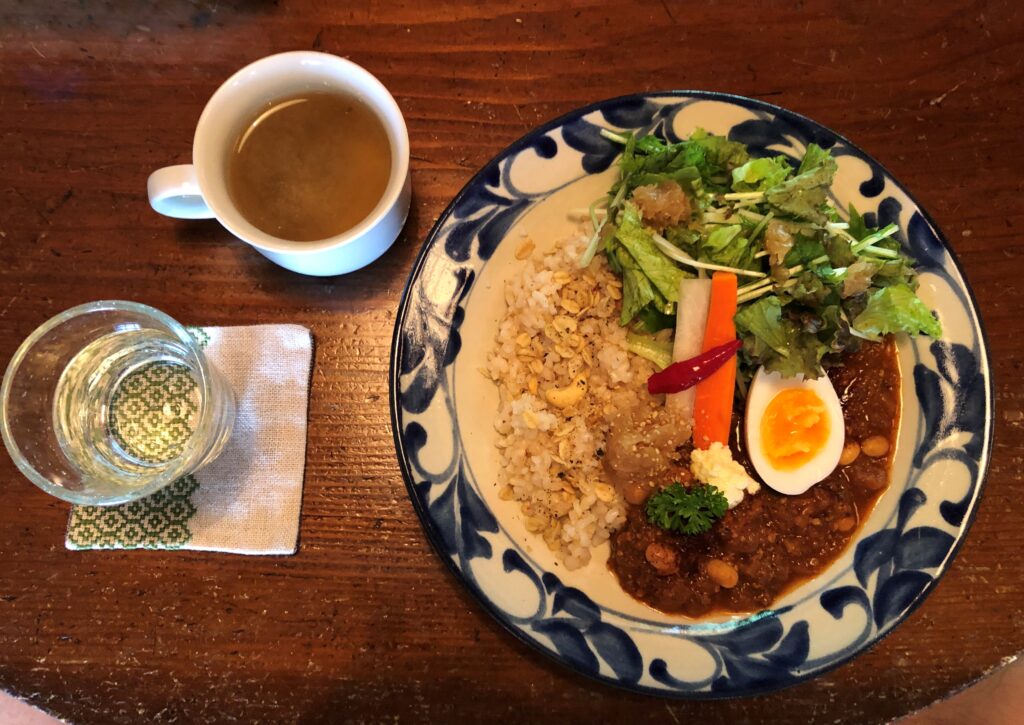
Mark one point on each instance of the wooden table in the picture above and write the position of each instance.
(365, 623)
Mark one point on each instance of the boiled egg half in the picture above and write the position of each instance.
(794, 430)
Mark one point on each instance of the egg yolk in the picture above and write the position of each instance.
(795, 426)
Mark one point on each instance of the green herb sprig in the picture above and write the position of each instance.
(686, 510)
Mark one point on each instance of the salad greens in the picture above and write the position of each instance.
(811, 285)
(893, 309)
(663, 274)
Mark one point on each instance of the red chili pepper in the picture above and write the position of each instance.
(679, 376)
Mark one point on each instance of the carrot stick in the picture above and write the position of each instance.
(712, 413)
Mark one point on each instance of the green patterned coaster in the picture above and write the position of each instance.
(152, 417)
(247, 500)
(159, 521)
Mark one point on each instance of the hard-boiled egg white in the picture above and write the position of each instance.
(794, 430)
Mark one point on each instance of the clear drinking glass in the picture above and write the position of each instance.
(110, 401)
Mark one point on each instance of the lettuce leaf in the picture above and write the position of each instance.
(896, 309)
(814, 157)
(649, 144)
(651, 318)
(896, 271)
(724, 244)
(666, 165)
(804, 250)
(836, 330)
(762, 321)
(659, 269)
(611, 247)
(778, 343)
(720, 154)
(761, 174)
(810, 289)
(687, 177)
(685, 238)
(658, 352)
(637, 293)
(839, 253)
(727, 245)
(701, 160)
(805, 195)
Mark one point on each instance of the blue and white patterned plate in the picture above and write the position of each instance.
(443, 409)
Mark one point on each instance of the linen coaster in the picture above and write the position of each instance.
(246, 501)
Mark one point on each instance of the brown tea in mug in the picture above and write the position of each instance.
(309, 166)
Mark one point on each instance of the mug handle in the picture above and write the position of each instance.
(174, 192)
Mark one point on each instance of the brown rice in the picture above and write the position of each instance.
(562, 368)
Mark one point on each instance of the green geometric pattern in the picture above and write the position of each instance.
(152, 417)
(199, 335)
(153, 412)
(159, 521)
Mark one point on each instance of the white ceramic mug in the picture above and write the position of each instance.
(199, 190)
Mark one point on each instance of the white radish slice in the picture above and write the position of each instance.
(691, 318)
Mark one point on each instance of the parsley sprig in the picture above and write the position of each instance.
(686, 510)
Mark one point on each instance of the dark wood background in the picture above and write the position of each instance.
(365, 623)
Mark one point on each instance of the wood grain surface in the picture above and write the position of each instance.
(365, 623)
